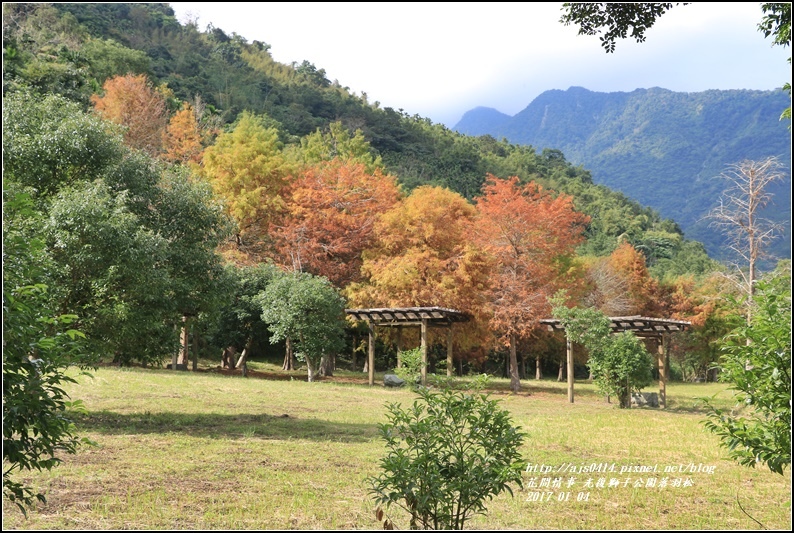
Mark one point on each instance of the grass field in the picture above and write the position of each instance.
(185, 450)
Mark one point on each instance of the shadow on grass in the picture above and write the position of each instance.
(281, 427)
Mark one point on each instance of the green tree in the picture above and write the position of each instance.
(39, 345)
(757, 362)
(447, 454)
(48, 142)
(619, 363)
(112, 268)
(336, 143)
(239, 319)
(133, 245)
(615, 18)
(309, 311)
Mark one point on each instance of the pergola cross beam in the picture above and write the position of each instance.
(407, 316)
(641, 326)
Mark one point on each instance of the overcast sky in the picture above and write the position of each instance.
(439, 60)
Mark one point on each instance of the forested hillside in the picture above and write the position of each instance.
(661, 148)
(166, 177)
(72, 49)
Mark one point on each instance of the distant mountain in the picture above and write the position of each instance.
(484, 119)
(659, 147)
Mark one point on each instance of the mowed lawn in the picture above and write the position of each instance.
(185, 450)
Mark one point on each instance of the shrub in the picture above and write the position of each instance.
(757, 363)
(447, 454)
(411, 366)
(620, 364)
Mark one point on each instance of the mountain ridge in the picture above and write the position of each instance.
(652, 144)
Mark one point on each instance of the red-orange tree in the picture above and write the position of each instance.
(424, 256)
(132, 102)
(532, 234)
(329, 218)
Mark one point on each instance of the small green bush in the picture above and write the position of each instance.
(411, 366)
(447, 454)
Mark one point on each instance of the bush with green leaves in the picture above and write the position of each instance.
(757, 362)
(446, 455)
(620, 364)
(410, 368)
(38, 346)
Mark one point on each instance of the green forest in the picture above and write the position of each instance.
(172, 193)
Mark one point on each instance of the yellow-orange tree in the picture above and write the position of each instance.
(329, 217)
(424, 256)
(132, 102)
(532, 235)
(247, 169)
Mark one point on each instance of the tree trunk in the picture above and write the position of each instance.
(515, 383)
(327, 364)
(560, 374)
(310, 369)
(242, 363)
(227, 357)
(355, 349)
(195, 348)
(625, 400)
(538, 368)
(183, 342)
(450, 362)
(399, 346)
(289, 361)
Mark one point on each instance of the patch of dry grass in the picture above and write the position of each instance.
(200, 451)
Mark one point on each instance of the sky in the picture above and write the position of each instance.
(439, 59)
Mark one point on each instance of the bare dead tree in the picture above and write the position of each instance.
(738, 217)
(610, 291)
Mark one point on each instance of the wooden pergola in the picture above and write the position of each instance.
(641, 326)
(423, 317)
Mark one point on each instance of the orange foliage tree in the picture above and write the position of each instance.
(329, 218)
(532, 235)
(132, 102)
(424, 256)
(643, 292)
(182, 137)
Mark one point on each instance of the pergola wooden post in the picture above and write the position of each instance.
(398, 317)
(569, 361)
(399, 346)
(450, 363)
(641, 326)
(371, 354)
(661, 360)
(424, 351)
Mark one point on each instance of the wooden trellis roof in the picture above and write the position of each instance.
(642, 326)
(407, 316)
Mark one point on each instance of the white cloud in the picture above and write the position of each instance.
(439, 59)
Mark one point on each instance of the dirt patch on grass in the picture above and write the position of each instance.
(285, 376)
